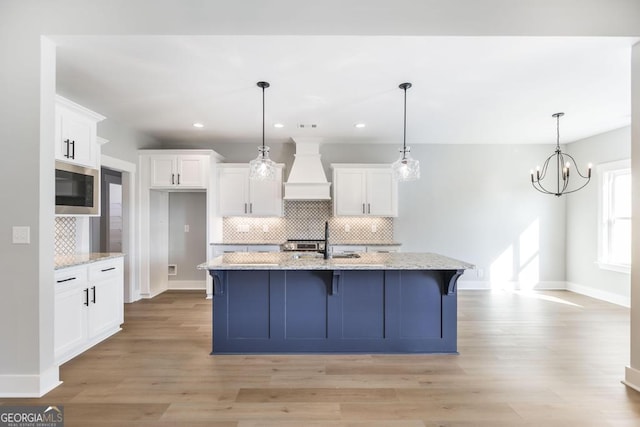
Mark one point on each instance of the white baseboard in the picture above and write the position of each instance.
(29, 385)
(149, 295)
(599, 294)
(632, 378)
(187, 284)
(512, 286)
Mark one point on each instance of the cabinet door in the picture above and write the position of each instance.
(163, 171)
(349, 192)
(266, 197)
(191, 171)
(382, 193)
(104, 307)
(70, 324)
(233, 191)
(76, 138)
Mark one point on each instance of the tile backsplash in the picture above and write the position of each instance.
(65, 238)
(305, 220)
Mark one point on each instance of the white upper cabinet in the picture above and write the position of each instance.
(76, 134)
(170, 171)
(364, 190)
(240, 196)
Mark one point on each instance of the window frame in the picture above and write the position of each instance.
(606, 173)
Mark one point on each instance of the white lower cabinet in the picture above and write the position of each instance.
(88, 306)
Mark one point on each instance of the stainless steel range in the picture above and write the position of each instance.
(302, 245)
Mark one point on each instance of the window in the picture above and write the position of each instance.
(615, 216)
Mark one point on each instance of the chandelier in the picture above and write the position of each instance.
(405, 168)
(563, 163)
(262, 168)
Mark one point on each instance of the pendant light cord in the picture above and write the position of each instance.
(404, 86)
(404, 134)
(263, 85)
(263, 120)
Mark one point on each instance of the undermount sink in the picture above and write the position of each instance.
(349, 255)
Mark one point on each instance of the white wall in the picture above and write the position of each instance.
(583, 275)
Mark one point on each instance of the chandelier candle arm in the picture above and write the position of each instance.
(563, 163)
(262, 168)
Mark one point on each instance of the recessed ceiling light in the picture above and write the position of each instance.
(198, 125)
(278, 125)
(360, 125)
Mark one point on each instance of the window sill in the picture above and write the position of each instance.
(615, 267)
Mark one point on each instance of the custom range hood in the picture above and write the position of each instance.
(307, 180)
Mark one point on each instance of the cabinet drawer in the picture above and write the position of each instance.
(70, 277)
(105, 270)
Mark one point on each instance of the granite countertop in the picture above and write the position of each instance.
(366, 243)
(314, 261)
(63, 261)
(261, 242)
(280, 242)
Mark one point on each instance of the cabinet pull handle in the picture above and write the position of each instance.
(250, 207)
(108, 269)
(368, 207)
(66, 141)
(73, 149)
(66, 280)
(93, 299)
(363, 211)
(245, 208)
(178, 179)
(173, 181)
(86, 297)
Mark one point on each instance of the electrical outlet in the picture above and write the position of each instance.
(186, 228)
(480, 273)
(347, 228)
(242, 228)
(374, 228)
(265, 228)
(21, 235)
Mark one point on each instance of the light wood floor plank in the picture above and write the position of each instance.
(526, 360)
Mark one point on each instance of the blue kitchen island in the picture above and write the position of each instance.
(302, 303)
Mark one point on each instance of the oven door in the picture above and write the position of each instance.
(77, 190)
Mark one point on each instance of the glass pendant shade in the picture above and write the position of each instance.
(406, 168)
(262, 168)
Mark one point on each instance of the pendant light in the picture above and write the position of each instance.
(564, 162)
(405, 168)
(262, 168)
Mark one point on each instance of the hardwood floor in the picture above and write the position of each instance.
(542, 359)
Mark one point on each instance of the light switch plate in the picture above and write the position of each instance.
(21, 235)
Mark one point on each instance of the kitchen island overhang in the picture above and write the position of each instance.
(302, 303)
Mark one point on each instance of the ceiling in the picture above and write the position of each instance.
(466, 90)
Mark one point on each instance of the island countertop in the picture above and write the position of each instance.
(315, 261)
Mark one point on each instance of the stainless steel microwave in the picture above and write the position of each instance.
(77, 190)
